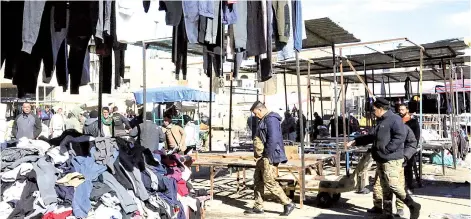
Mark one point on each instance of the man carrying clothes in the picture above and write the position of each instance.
(388, 139)
(268, 134)
(26, 124)
(412, 162)
(410, 147)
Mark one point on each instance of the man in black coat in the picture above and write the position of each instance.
(411, 165)
(91, 125)
(388, 138)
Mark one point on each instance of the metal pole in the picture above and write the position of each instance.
(342, 89)
(320, 92)
(421, 116)
(100, 93)
(366, 95)
(455, 109)
(301, 125)
(389, 86)
(373, 75)
(37, 98)
(144, 85)
(210, 111)
(336, 117)
(286, 91)
(309, 109)
(230, 118)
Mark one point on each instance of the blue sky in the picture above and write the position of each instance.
(421, 21)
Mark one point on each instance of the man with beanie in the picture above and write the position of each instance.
(91, 125)
(269, 134)
(388, 137)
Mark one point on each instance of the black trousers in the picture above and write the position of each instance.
(180, 49)
(410, 170)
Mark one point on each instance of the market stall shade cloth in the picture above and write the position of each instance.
(172, 94)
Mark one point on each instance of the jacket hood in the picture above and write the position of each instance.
(90, 121)
(274, 115)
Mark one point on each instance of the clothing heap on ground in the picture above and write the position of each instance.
(57, 35)
(86, 177)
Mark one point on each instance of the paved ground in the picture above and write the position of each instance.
(440, 195)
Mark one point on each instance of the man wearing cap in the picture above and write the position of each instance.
(388, 138)
(268, 133)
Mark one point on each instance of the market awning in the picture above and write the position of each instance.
(172, 94)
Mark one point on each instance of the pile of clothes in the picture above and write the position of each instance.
(78, 176)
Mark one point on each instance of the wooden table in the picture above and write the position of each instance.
(245, 160)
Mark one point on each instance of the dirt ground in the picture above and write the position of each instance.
(449, 194)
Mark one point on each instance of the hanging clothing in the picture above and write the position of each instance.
(283, 21)
(192, 10)
(285, 48)
(32, 14)
(57, 37)
(229, 13)
(298, 25)
(12, 29)
(82, 25)
(256, 39)
(213, 25)
(180, 49)
(174, 11)
(266, 64)
(131, 22)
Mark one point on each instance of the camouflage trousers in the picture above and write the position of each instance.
(389, 180)
(265, 176)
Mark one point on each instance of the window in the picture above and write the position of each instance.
(244, 77)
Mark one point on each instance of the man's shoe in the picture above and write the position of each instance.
(254, 211)
(399, 213)
(288, 209)
(413, 206)
(375, 210)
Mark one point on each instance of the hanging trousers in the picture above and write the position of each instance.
(180, 49)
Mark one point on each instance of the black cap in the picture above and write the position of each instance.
(381, 101)
(255, 105)
(93, 114)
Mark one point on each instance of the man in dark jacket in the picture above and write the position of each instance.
(269, 133)
(148, 133)
(91, 125)
(120, 123)
(318, 121)
(412, 162)
(410, 148)
(26, 124)
(388, 151)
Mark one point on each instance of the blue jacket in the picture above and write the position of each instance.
(269, 131)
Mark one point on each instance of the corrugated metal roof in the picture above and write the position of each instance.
(398, 75)
(399, 58)
(323, 32)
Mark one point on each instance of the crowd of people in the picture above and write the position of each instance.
(48, 124)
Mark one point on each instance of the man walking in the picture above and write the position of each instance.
(269, 133)
(388, 138)
(412, 162)
(410, 147)
(26, 124)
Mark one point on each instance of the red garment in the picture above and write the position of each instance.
(52, 215)
(182, 189)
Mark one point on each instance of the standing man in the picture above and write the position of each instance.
(175, 136)
(288, 127)
(120, 123)
(148, 134)
(412, 162)
(318, 121)
(57, 125)
(269, 133)
(46, 116)
(26, 124)
(91, 125)
(388, 139)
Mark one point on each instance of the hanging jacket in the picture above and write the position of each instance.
(283, 22)
(270, 134)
